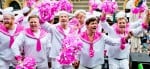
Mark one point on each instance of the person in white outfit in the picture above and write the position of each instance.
(34, 42)
(59, 32)
(92, 53)
(119, 56)
(8, 32)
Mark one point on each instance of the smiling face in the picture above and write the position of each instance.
(34, 23)
(81, 17)
(92, 25)
(63, 19)
(122, 23)
(8, 20)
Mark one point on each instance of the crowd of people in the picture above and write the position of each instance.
(23, 34)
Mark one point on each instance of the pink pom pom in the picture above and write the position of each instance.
(47, 11)
(109, 7)
(30, 2)
(93, 4)
(135, 10)
(71, 47)
(140, 9)
(28, 63)
(65, 5)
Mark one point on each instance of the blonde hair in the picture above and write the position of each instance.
(122, 18)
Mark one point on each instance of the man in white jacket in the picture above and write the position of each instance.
(34, 42)
(59, 32)
(92, 53)
(8, 31)
(119, 55)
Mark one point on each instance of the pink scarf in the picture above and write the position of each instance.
(60, 29)
(126, 32)
(30, 34)
(5, 31)
(84, 37)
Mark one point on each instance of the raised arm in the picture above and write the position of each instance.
(47, 26)
(104, 24)
(144, 25)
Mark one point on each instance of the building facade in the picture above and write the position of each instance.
(16, 4)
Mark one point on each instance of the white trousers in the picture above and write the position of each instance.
(57, 65)
(96, 67)
(4, 64)
(118, 64)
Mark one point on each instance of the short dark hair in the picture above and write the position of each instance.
(33, 16)
(90, 20)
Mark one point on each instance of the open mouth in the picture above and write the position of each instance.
(94, 28)
(122, 26)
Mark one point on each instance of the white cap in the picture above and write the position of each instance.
(110, 17)
(78, 11)
(34, 12)
(120, 14)
(25, 10)
(1, 10)
(89, 16)
(96, 13)
(64, 12)
(8, 10)
(18, 12)
(19, 16)
(1, 17)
